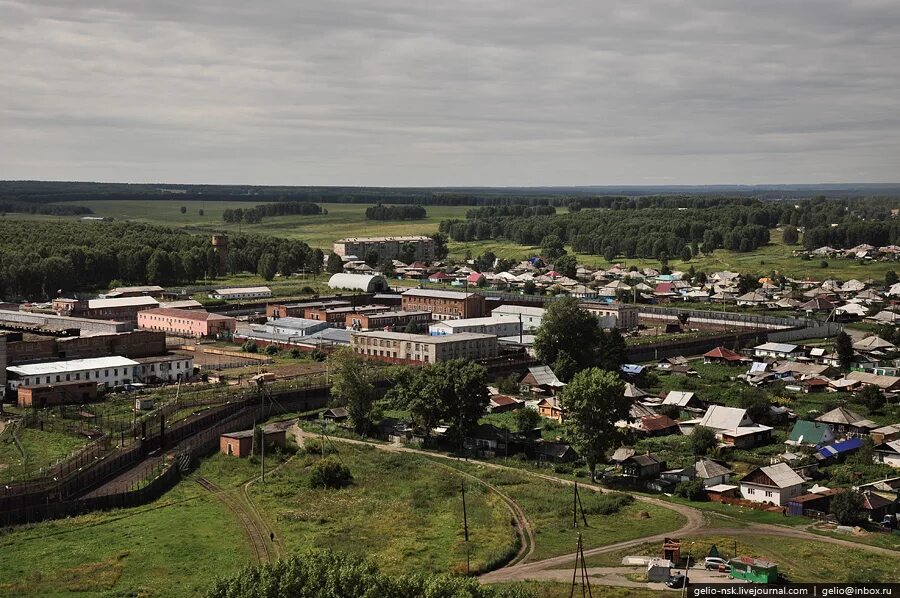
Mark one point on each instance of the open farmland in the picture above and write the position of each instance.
(321, 230)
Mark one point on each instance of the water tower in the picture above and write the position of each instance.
(220, 245)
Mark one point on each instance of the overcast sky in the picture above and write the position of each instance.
(485, 92)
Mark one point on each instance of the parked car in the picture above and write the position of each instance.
(677, 581)
(714, 563)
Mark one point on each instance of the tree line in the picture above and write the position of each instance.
(24, 207)
(404, 212)
(40, 258)
(255, 214)
(649, 233)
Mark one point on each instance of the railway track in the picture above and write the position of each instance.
(252, 528)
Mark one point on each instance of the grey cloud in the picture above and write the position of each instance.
(465, 93)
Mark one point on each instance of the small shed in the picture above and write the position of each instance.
(721, 492)
(240, 444)
(335, 414)
(755, 570)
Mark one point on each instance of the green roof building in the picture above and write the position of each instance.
(755, 570)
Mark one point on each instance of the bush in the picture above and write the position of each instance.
(562, 468)
(296, 353)
(847, 507)
(703, 440)
(691, 490)
(249, 347)
(327, 473)
(328, 574)
(318, 355)
(271, 350)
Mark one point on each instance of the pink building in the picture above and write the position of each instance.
(186, 322)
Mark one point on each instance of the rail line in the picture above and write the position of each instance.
(250, 524)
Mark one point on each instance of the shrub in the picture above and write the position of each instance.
(249, 347)
(271, 350)
(691, 490)
(703, 440)
(847, 507)
(318, 355)
(296, 353)
(328, 473)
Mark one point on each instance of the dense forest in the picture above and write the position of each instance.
(255, 214)
(678, 226)
(23, 207)
(579, 197)
(38, 259)
(406, 212)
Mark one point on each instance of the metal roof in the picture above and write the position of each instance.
(72, 365)
(782, 475)
(679, 398)
(437, 294)
(777, 347)
(544, 376)
(719, 417)
(424, 338)
(241, 290)
(121, 302)
(707, 468)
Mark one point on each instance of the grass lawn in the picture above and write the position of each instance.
(551, 589)
(402, 511)
(548, 507)
(43, 449)
(801, 560)
(176, 546)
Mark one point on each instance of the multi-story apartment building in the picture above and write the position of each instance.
(444, 305)
(531, 317)
(399, 347)
(496, 325)
(385, 247)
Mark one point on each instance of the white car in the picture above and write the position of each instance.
(713, 563)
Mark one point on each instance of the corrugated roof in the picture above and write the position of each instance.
(840, 415)
(121, 302)
(777, 347)
(72, 365)
(782, 475)
(719, 417)
(707, 468)
(678, 397)
(544, 376)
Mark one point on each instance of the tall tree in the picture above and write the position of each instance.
(566, 265)
(552, 246)
(352, 386)
(594, 401)
(335, 264)
(440, 245)
(843, 346)
(469, 400)
(566, 327)
(612, 352)
(267, 266)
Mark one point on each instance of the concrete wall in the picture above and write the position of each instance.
(2, 366)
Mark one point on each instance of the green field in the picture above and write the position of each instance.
(176, 546)
(342, 220)
(548, 507)
(43, 448)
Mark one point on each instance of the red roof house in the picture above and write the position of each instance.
(722, 355)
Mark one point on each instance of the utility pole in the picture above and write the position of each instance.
(262, 461)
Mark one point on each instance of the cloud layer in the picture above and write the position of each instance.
(524, 92)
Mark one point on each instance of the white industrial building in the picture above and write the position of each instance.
(242, 293)
(367, 283)
(107, 371)
(496, 325)
(530, 317)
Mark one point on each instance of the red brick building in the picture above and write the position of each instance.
(187, 322)
(385, 319)
(445, 305)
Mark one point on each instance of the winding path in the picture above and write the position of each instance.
(249, 520)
